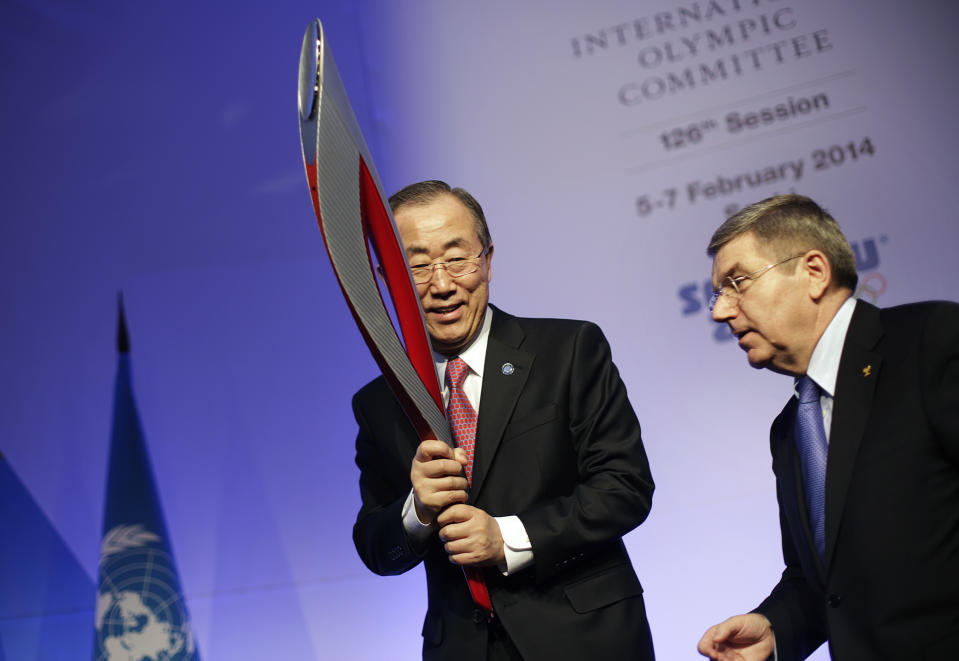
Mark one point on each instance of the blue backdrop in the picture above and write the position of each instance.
(153, 148)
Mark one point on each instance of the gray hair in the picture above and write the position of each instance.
(425, 192)
(789, 225)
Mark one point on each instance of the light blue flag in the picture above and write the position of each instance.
(140, 610)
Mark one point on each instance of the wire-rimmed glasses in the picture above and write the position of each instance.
(730, 288)
(456, 268)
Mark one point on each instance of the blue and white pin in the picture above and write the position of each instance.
(508, 368)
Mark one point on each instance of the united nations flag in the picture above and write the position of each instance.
(140, 610)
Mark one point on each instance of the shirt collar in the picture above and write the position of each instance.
(474, 355)
(824, 363)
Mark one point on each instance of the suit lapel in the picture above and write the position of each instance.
(859, 370)
(504, 376)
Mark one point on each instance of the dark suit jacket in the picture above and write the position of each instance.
(559, 445)
(890, 585)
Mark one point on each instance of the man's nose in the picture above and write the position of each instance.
(441, 280)
(724, 309)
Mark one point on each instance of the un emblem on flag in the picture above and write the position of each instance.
(140, 611)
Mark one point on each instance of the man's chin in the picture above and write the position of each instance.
(448, 346)
(757, 360)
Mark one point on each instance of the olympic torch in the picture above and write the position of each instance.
(353, 215)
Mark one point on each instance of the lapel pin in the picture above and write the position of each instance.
(508, 368)
(867, 370)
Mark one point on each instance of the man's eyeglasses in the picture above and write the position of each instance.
(456, 268)
(731, 286)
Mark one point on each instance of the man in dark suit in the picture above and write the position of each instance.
(870, 529)
(558, 475)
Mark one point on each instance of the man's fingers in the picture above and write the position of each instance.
(707, 649)
(441, 499)
(455, 496)
(433, 449)
(463, 559)
(470, 550)
(720, 632)
(439, 468)
(452, 532)
(455, 514)
(437, 476)
(440, 482)
(711, 642)
(452, 483)
(461, 548)
(742, 637)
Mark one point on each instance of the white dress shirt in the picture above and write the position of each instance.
(824, 362)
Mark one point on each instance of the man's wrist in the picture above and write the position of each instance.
(517, 549)
(417, 532)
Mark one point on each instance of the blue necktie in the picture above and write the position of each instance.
(811, 443)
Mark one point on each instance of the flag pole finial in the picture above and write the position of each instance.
(123, 338)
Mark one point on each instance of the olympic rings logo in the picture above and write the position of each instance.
(871, 287)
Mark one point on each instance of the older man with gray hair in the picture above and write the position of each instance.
(866, 454)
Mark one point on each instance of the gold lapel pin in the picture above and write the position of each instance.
(867, 370)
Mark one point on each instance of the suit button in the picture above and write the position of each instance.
(479, 616)
(834, 600)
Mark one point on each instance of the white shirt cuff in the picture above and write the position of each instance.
(417, 532)
(516, 544)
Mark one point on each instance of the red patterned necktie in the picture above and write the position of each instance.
(462, 419)
(460, 412)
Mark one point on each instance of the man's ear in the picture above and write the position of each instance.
(489, 262)
(818, 270)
